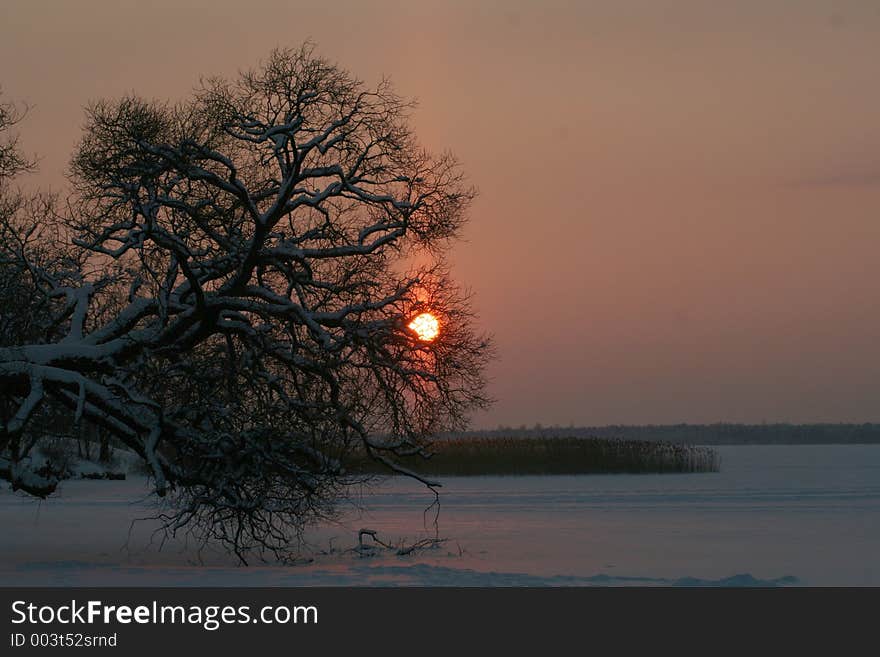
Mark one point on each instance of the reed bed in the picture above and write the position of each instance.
(547, 456)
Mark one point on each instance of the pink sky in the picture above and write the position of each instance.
(679, 216)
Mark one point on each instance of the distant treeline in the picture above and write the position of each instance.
(544, 456)
(706, 434)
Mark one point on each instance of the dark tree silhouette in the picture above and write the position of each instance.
(227, 292)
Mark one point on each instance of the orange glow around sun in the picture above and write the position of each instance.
(426, 326)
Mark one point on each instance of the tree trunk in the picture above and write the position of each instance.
(104, 456)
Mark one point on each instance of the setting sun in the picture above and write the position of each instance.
(426, 326)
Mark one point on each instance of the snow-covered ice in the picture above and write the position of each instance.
(775, 515)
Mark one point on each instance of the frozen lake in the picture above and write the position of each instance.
(806, 515)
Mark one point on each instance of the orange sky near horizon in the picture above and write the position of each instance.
(679, 207)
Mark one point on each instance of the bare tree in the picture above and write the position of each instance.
(227, 292)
